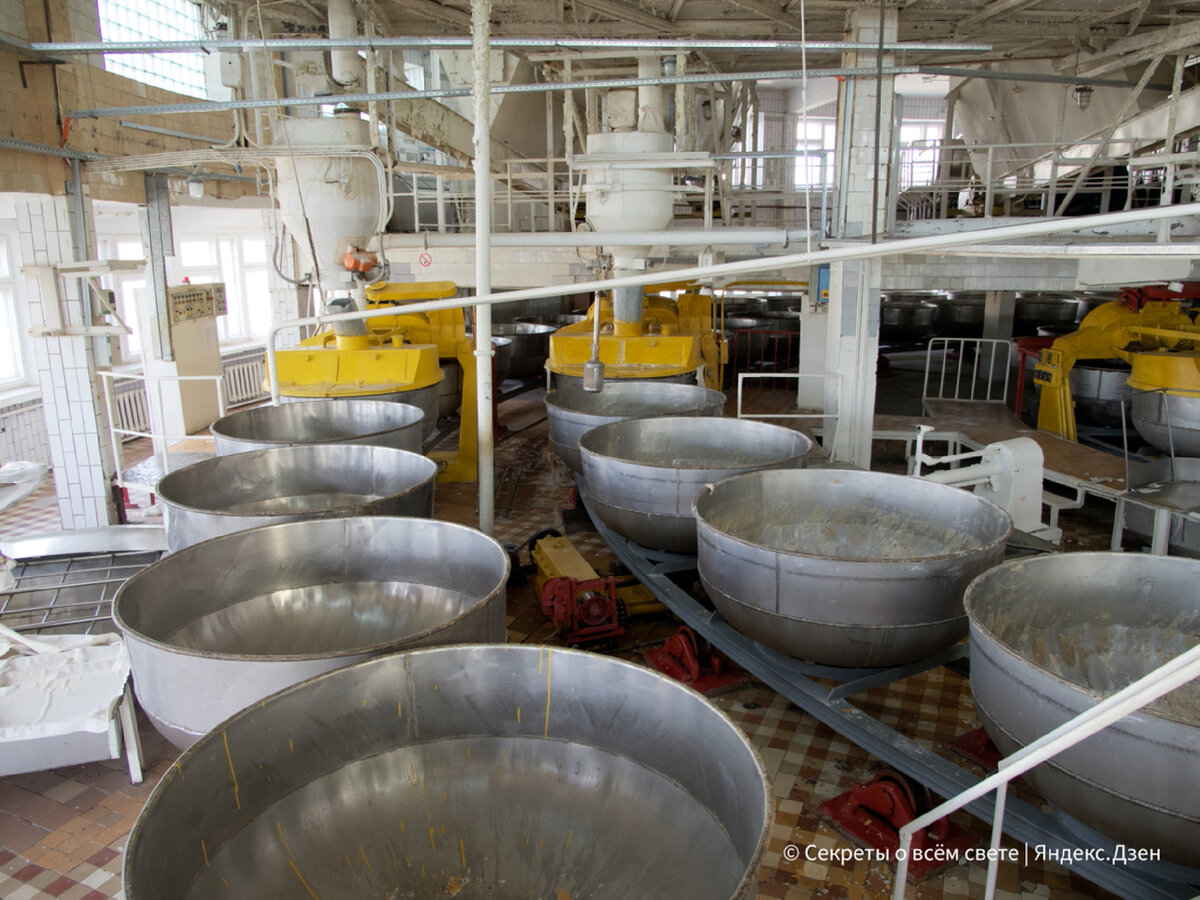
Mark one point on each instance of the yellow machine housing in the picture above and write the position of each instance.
(400, 352)
(1157, 341)
(674, 338)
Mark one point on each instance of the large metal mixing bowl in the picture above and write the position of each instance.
(906, 320)
(424, 399)
(350, 421)
(530, 346)
(1053, 635)
(222, 624)
(640, 475)
(572, 411)
(232, 493)
(470, 771)
(844, 567)
(1169, 421)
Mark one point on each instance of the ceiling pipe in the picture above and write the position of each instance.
(692, 237)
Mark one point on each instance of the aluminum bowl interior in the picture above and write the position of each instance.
(1051, 636)
(296, 599)
(245, 490)
(845, 567)
(641, 475)
(356, 421)
(470, 771)
(572, 411)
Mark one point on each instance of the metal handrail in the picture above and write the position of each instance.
(1166, 678)
(158, 436)
(962, 345)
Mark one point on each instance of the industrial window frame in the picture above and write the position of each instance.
(14, 359)
(166, 20)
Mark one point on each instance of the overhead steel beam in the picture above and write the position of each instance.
(990, 11)
(706, 78)
(451, 43)
(437, 11)
(627, 13)
(770, 12)
(997, 75)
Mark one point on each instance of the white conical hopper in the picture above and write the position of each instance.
(327, 202)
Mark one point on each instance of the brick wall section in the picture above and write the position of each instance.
(32, 110)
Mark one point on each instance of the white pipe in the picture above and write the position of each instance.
(344, 65)
(1179, 671)
(481, 11)
(652, 101)
(1035, 228)
(692, 237)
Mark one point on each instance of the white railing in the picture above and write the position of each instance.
(1032, 178)
(155, 429)
(828, 420)
(970, 369)
(1166, 678)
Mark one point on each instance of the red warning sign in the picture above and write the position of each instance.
(425, 259)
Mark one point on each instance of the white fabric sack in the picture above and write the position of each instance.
(58, 684)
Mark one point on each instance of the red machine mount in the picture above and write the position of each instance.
(679, 658)
(872, 814)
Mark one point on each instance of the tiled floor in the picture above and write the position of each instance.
(62, 832)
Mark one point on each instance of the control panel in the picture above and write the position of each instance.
(195, 301)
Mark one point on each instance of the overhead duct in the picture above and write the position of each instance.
(345, 67)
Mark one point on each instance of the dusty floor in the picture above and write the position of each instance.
(62, 831)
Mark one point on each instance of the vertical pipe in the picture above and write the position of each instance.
(343, 64)
(1168, 188)
(549, 162)
(481, 11)
(893, 176)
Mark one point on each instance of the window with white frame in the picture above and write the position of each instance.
(240, 262)
(155, 20)
(13, 371)
(125, 287)
(919, 145)
(816, 139)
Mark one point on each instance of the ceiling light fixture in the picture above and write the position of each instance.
(1083, 95)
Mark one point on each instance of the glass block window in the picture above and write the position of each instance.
(159, 20)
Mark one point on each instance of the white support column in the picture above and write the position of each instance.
(481, 11)
(853, 318)
(72, 395)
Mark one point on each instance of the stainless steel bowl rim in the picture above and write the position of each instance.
(709, 489)
(433, 467)
(690, 467)
(354, 400)
(373, 649)
(998, 571)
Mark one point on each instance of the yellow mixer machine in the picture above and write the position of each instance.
(1146, 328)
(397, 353)
(672, 339)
